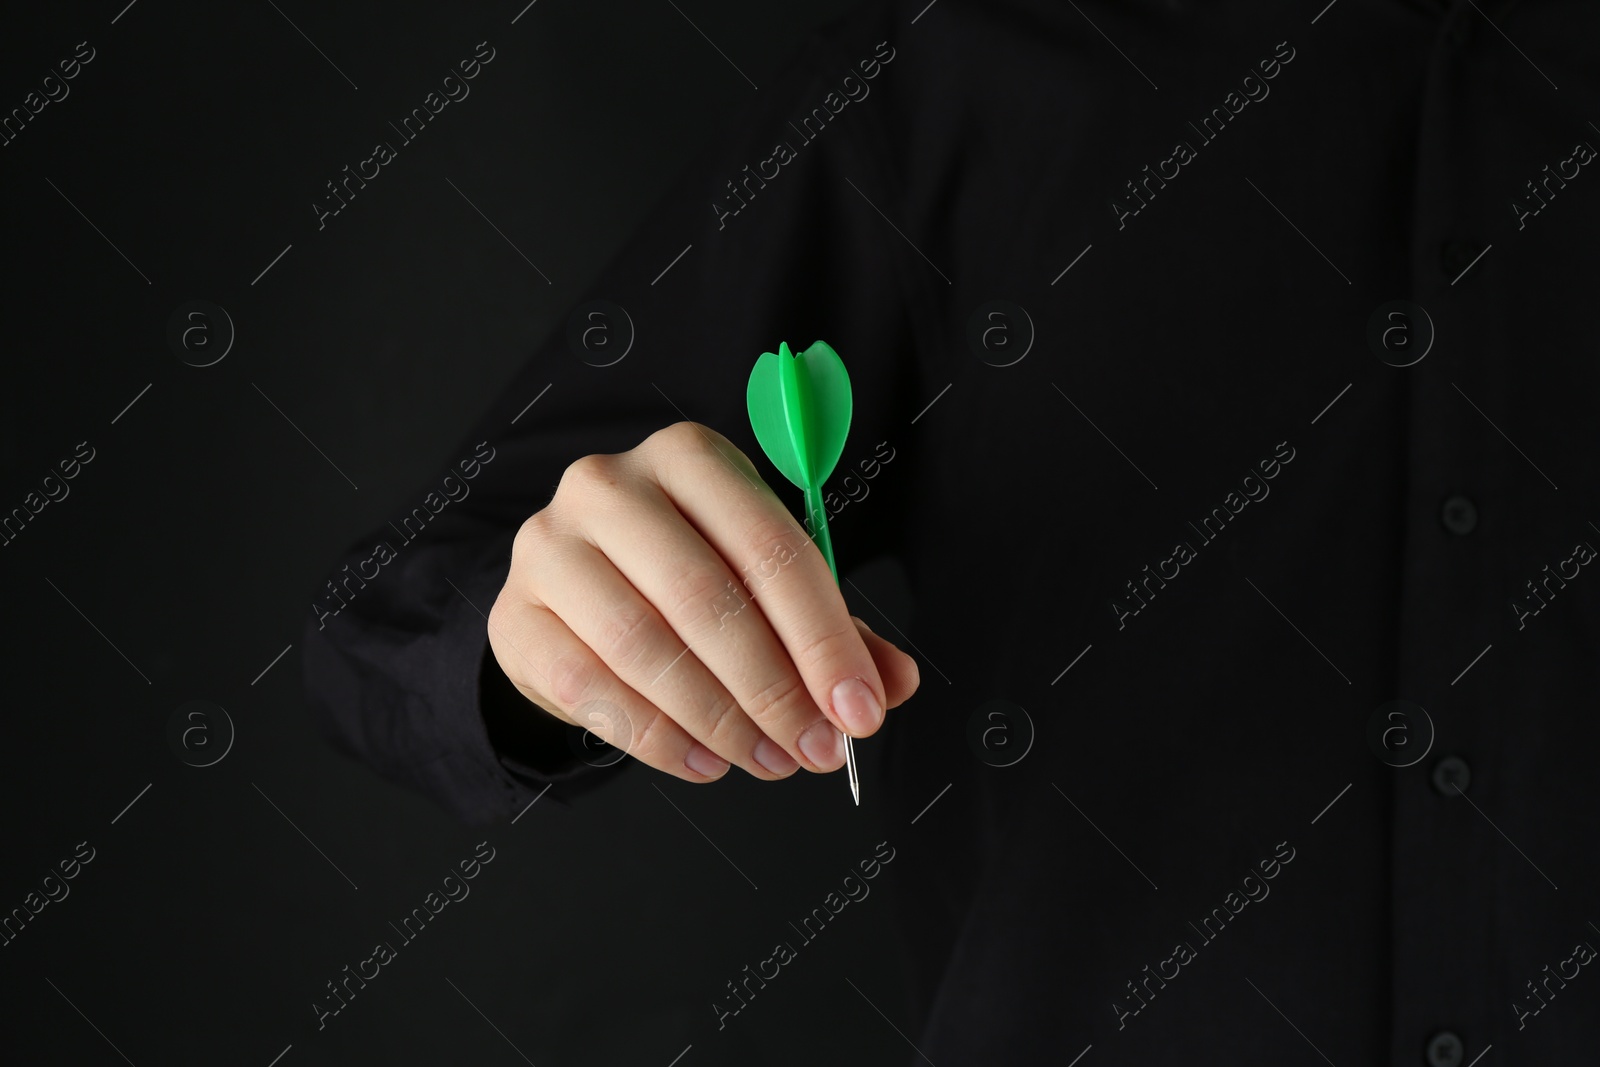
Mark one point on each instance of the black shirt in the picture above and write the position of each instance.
(1238, 380)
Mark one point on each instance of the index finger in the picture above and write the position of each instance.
(717, 489)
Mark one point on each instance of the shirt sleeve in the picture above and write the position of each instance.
(768, 236)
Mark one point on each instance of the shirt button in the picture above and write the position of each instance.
(1459, 514)
(1450, 772)
(1445, 1050)
(1457, 256)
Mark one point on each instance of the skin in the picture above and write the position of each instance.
(667, 601)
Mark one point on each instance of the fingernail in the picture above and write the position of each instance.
(771, 755)
(701, 760)
(856, 707)
(823, 745)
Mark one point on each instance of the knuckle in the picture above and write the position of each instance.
(833, 646)
(534, 533)
(604, 720)
(499, 614)
(625, 635)
(571, 677)
(589, 474)
(695, 592)
(767, 706)
(680, 436)
(773, 545)
(692, 447)
(724, 725)
(652, 742)
(503, 621)
(540, 700)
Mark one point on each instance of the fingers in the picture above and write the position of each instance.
(667, 601)
(554, 669)
(712, 485)
(584, 588)
(718, 659)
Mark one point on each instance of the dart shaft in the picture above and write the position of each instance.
(817, 519)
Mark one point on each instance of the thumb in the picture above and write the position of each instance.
(898, 670)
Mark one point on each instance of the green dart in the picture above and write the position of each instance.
(800, 411)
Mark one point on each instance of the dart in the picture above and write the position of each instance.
(800, 411)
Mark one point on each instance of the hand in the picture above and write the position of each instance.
(667, 601)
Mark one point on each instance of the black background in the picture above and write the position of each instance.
(195, 142)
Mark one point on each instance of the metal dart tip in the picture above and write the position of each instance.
(850, 763)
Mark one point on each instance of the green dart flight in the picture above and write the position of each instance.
(800, 411)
